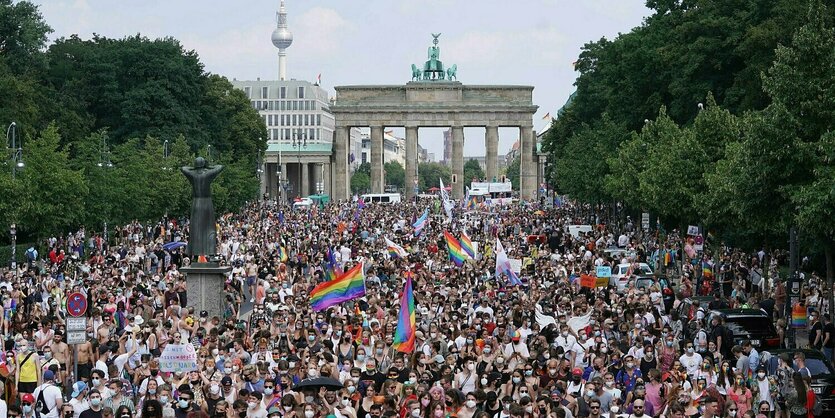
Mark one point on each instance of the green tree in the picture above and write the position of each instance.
(473, 171)
(430, 174)
(584, 154)
(395, 174)
(361, 179)
(54, 195)
(512, 172)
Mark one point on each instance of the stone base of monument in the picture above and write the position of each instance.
(206, 282)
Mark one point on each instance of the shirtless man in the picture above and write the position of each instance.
(61, 353)
(43, 336)
(104, 331)
(85, 360)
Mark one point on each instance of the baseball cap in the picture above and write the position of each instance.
(48, 375)
(28, 398)
(78, 387)
(226, 380)
(577, 372)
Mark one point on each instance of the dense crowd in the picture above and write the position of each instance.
(484, 348)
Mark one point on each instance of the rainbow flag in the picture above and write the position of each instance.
(282, 254)
(707, 271)
(404, 335)
(333, 264)
(799, 316)
(467, 245)
(421, 222)
(456, 253)
(503, 266)
(349, 285)
(395, 251)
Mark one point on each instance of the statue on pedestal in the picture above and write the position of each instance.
(202, 240)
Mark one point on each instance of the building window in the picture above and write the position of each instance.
(301, 92)
(311, 133)
(294, 121)
(264, 92)
(364, 157)
(306, 120)
(283, 105)
(282, 93)
(270, 105)
(318, 120)
(247, 91)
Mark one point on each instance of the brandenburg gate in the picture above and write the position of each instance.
(434, 98)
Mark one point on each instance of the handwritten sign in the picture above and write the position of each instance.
(602, 282)
(692, 230)
(604, 271)
(178, 358)
(587, 280)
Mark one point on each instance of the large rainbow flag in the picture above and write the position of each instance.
(456, 253)
(404, 335)
(282, 254)
(350, 285)
(467, 245)
(707, 271)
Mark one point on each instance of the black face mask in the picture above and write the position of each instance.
(154, 372)
(242, 414)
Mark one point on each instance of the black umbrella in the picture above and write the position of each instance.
(319, 382)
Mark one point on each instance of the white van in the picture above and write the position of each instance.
(381, 198)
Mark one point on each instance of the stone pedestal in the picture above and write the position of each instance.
(206, 282)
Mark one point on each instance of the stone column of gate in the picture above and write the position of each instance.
(341, 137)
(458, 162)
(527, 173)
(305, 180)
(491, 143)
(264, 177)
(327, 187)
(411, 160)
(378, 181)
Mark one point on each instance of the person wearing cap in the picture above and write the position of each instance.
(27, 405)
(51, 395)
(516, 351)
(78, 398)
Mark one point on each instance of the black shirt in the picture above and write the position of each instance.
(813, 334)
(90, 414)
(829, 328)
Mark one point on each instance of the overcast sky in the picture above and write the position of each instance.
(530, 42)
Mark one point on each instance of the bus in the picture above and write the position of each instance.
(381, 198)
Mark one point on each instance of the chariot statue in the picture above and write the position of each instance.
(433, 68)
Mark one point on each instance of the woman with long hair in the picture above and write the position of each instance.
(795, 396)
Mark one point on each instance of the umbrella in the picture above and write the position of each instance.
(173, 245)
(319, 382)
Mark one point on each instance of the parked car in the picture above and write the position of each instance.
(823, 374)
(623, 271)
(747, 324)
(667, 294)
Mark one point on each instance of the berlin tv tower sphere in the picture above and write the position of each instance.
(282, 38)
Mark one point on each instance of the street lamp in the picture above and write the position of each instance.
(13, 234)
(209, 153)
(299, 142)
(14, 148)
(104, 162)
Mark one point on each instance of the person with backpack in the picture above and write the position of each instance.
(48, 397)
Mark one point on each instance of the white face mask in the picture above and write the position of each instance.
(614, 408)
(529, 409)
(416, 413)
(471, 404)
(308, 414)
(252, 405)
(484, 381)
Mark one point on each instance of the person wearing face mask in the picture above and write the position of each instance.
(185, 404)
(466, 380)
(78, 399)
(469, 408)
(763, 386)
(628, 375)
(254, 406)
(95, 405)
(153, 374)
(213, 395)
(690, 360)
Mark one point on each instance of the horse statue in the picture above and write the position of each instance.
(416, 73)
(451, 72)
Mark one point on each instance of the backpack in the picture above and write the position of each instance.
(817, 407)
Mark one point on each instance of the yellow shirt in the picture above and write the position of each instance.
(28, 371)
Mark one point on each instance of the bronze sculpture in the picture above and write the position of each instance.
(202, 229)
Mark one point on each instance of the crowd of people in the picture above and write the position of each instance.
(485, 348)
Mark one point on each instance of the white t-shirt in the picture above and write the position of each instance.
(77, 406)
(51, 396)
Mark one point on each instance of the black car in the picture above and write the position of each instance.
(644, 282)
(823, 374)
(747, 324)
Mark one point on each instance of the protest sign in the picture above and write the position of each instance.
(588, 281)
(604, 271)
(178, 358)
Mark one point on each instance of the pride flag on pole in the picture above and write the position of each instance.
(350, 285)
(395, 251)
(404, 335)
(456, 253)
(503, 265)
(467, 245)
(421, 222)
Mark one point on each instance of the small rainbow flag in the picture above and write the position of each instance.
(350, 285)
(395, 251)
(456, 254)
(332, 263)
(799, 316)
(467, 245)
(282, 254)
(404, 335)
(707, 271)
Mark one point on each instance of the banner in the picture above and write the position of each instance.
(602, 282)
(604, 271)
(588, 281)
(692, 230)
(178, 358)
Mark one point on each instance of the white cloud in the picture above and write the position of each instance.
(325, 31)
(540, 46)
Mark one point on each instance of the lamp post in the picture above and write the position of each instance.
(209, 154)
(13, 234)
(14, 148)
(104, 162)
(299, 142)
(166, 152)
